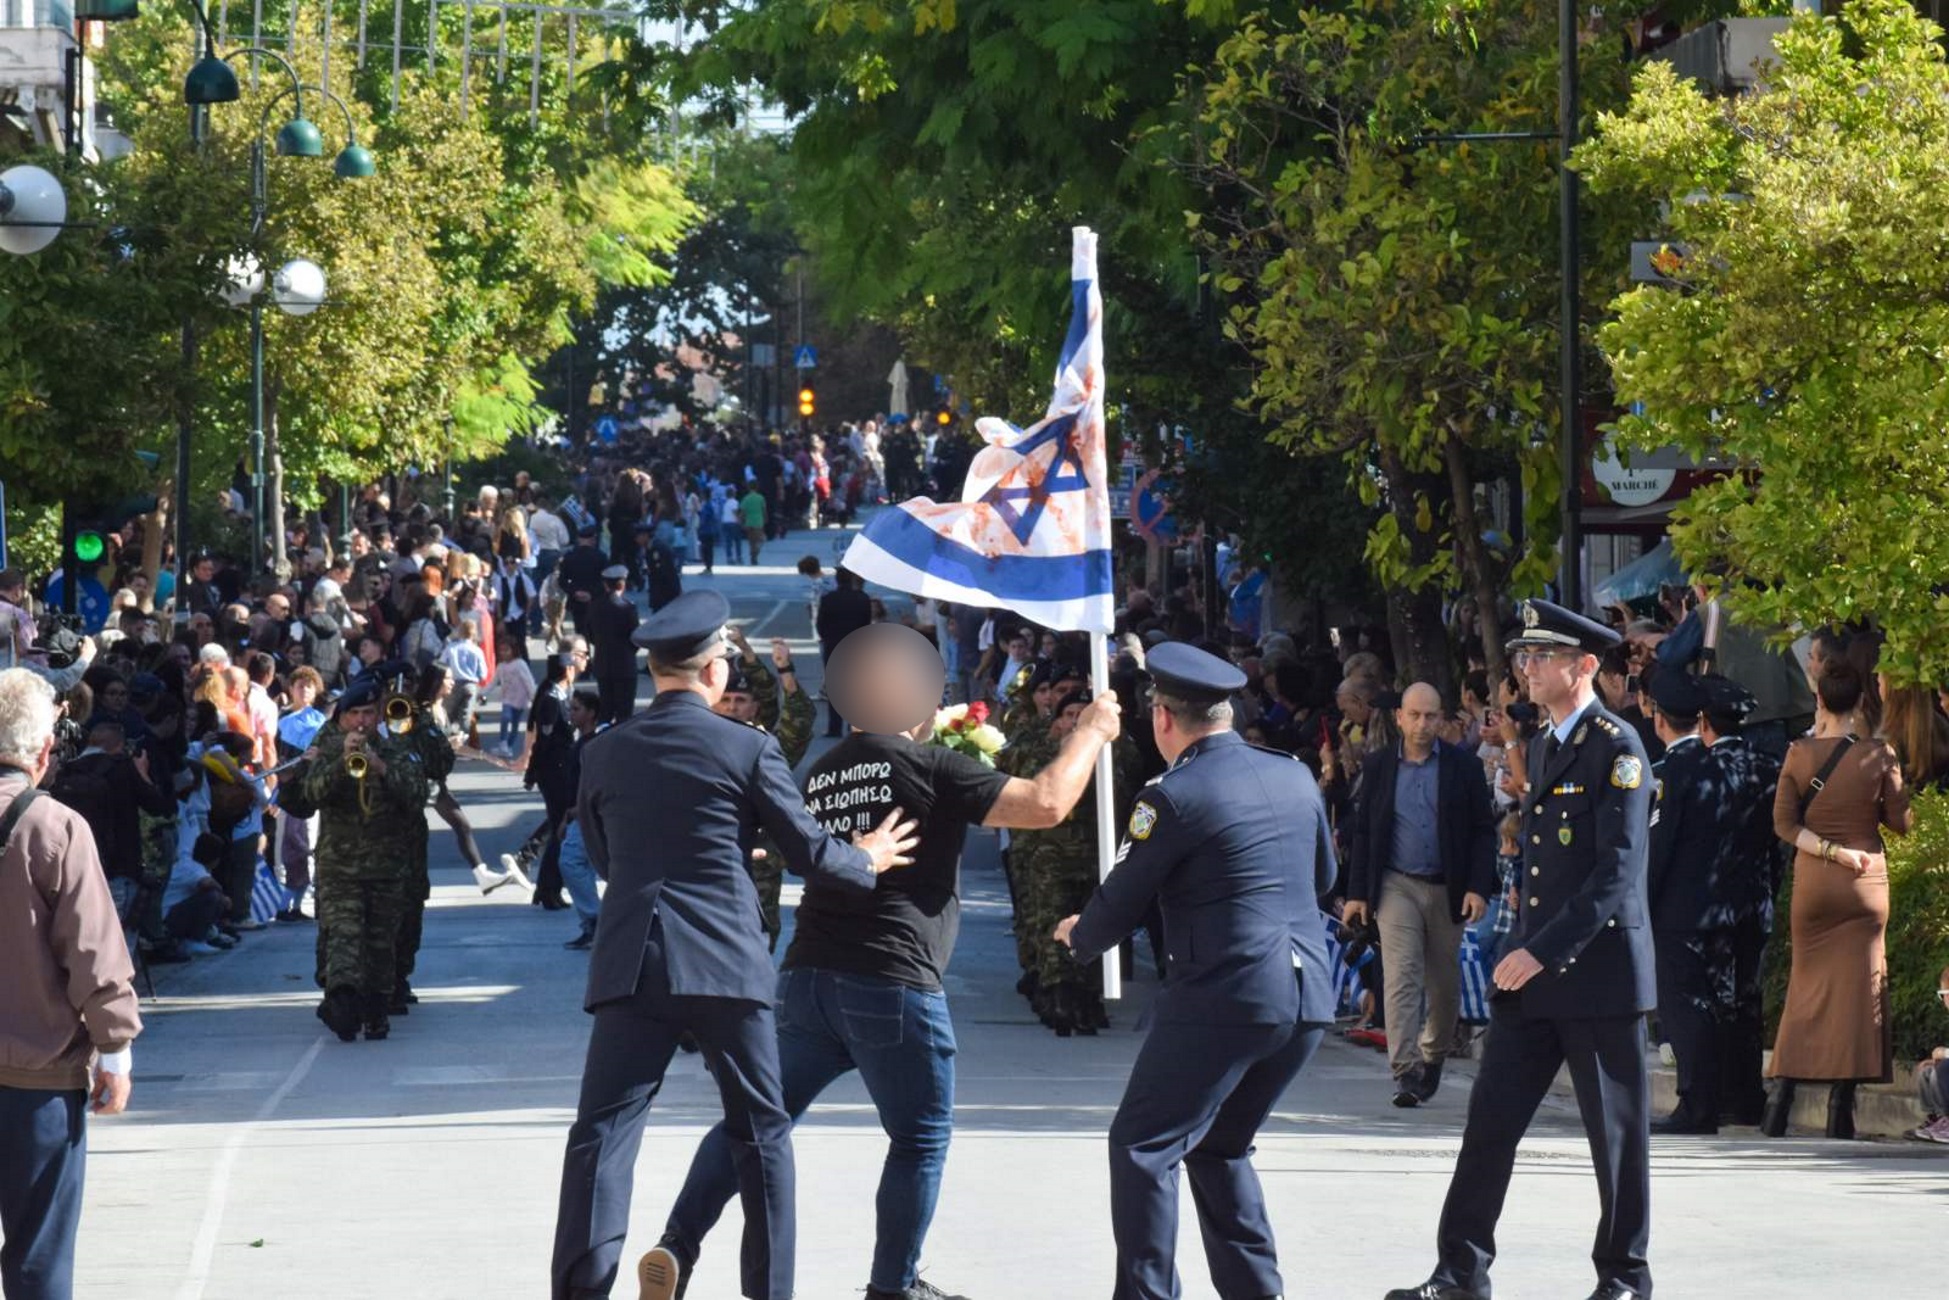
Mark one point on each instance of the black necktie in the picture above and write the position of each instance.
(1549, 747)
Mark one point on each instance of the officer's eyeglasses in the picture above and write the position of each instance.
(1943, 994)
(1524, 658)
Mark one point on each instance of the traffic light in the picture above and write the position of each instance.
(808, 401)
(88, 546)
(943, 416)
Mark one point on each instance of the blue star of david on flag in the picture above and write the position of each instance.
(1065, 474)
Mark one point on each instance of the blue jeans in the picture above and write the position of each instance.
(902, 1043)
(513, 739)
(43, 1148)
(579, 874)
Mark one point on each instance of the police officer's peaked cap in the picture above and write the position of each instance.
(1546, 624)
(615, 573)
(1726, 698)
(1195, 676)
(1677, 694)
(690, 625)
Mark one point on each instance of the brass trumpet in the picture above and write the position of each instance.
(356, 766)
(398, 712)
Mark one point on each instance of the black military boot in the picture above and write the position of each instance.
(1061, 1015)
(400, 1003)
(377, 1026)
(340, 1012)
(1088, 1006)
(1027, 985)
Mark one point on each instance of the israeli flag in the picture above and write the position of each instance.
(1031, 532)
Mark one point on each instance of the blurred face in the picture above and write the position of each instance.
(1354, 705)
(1045, 699)
(278, 608)
(200, 625)
(303, 693)
(1065, 720)
(1018, 648)
(580, 715)
(1049, 644)
(115, 697)
(180, 655)
(363, 718)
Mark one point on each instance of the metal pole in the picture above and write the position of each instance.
(1570, 571)
(186, 418)
(70, 566)
(258, 517)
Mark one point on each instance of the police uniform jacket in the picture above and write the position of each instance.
(670, 805)
(1232, 843)
(1583, 886)
(613, 619)
(1686, 827)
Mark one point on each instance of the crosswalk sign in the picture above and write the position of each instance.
(806, 358)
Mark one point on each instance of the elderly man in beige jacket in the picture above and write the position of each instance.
(67, 1003)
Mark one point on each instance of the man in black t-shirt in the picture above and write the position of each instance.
(861, 984)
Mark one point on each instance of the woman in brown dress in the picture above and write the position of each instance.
(1835, 1027)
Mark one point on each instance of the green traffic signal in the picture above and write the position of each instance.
(88, 547)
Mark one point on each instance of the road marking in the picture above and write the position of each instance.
(205, 1247)
(777, 608)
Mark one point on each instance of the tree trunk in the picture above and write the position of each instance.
(154, 525)
(1475, 558)
(1421, 651)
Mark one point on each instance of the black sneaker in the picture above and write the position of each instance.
(921, 1289)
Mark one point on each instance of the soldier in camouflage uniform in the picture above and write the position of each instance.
(755, 697)
(1064, 869)
(1025, 721)
(366, 828)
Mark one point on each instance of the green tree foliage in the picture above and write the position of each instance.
(1399, 295)
(1804, 333)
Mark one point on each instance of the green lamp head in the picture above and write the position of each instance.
(211, 81)
(355, 162)
(298, 138)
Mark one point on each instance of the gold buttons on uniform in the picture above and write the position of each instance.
(1539, 810)
(1535, 902)
(1536, 871)
(1536, 839)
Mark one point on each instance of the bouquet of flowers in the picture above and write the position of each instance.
(966, 727)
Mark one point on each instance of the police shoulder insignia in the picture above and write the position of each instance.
(1143, 820)
(1605, 725)
(1628, 772)
(1582, 731)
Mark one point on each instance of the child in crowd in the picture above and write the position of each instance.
(1494, 930)
(464, 661)
(1932, 1081)
(517, 684)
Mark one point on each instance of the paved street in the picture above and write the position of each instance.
(262, 1158)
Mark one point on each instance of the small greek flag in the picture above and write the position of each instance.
(266, 895)
(1031, 532)
(1475, 980)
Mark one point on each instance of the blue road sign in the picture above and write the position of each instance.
(606, 428)
(806, 358)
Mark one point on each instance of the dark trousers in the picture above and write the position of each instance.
(1606, 1056)
(835, 725)
(1694, 982)
(629, 1050)
(902, 1043)
(706, 548)
(43, 1150)
(239, 876)
(1196, 1097)
(616, 683)
(1742, 1035)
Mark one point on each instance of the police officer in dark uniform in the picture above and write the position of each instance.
(612, 624)
(1745, 881)
(670, 804)
(1687, 824)
(1232, 842)
(579, 575)
(1578, 981)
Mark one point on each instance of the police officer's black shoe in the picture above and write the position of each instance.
(1613, 1291)
(1432, 1291)
(1681, 1124)
(583, 941)
(340, 1012)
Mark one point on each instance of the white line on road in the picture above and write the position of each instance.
(205, 1248)
(777, 609)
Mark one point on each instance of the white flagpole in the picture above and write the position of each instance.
(1106, 822)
